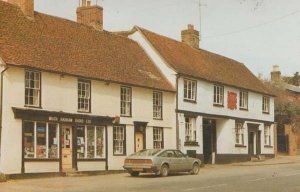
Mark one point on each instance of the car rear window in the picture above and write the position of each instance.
(148, 152)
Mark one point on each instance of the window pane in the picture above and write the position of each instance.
(41, 140)
(80, 142)
(90, 142)
(32, 88)
(53, 140)
(28, 139)
(99, 142)
(118, 135)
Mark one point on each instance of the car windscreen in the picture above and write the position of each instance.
(148, 152)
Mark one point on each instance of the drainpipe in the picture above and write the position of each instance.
(176, 111)
(1, 103)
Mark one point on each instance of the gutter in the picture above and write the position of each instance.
(1, 102)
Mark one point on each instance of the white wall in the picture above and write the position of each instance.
(59, 93)
(199, 134)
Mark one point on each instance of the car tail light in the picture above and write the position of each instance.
(138, 161)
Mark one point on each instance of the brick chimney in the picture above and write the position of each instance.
(27, 6)
(90, 15)
(190, 36)
(276, 74)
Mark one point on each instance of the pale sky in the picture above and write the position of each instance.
(258, 33)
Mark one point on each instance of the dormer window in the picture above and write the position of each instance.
(190, 87)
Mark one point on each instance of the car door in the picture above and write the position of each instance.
(183, 161)
(169, 157)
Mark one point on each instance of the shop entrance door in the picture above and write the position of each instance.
(67, 148)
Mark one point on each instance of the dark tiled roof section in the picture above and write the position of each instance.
(59, 45)
(203, 64)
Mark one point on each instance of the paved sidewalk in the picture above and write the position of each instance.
(280, 159)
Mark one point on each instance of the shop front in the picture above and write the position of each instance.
(63, 142)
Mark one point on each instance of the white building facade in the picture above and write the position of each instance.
(82, 101)
(218, 121)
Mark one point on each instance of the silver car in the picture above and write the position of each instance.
(160, 162)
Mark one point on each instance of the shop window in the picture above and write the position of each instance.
(158, 138)
(29, 139)
(40, 140)
(32, 88)
(53, 141)
(90, 142)
(119, 140)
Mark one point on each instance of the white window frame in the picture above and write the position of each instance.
(267, 135)
(119, 142)
(158, 138)
(244, 100)
(84, 95)
(190, 130)
(189, 89)
(157, 105)
(95, 142)
(35, 89)
(47, 140)
(239, 133)
(266, 104)
(126, 101)
(219, 95)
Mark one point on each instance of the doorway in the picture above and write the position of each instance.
(140, 136)
(254, 140)
(67, 148)
(209, 140)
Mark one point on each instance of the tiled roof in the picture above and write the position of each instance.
(59, 45)
(203, 64)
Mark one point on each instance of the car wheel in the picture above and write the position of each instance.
(164, 170)
(134, 173)
(195, 169)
